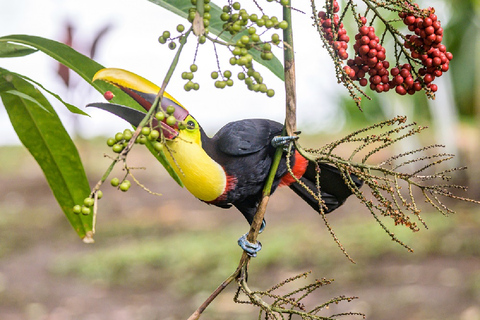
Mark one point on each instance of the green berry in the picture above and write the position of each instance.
(127, 134)
(227, 74)
(153, 135)
(229, 82)
(233, 61)
(158, 146)
(142, 139)
(124, 186)
(172, 45)
(196, 86)
(145, 131)
(214, 75)
(119, 136)
(171, 120)
(253, 17)
(77, 209)
(270, 93)
(180, 28)
(236, 6)
(252, 30)
(85, 210)
(99, 194)
(166, 34)
(160, 116)
(245, 39)
(111, 142)
(260, 22)
(255, 37)
(241, 76)
(202, 39)
(88, 202)
(225, 16)
(184, 75)
(283, 25)
(170, 110)
(162, 40)
(117, 148)
(193, 67)
(115, 182)
(275, 38)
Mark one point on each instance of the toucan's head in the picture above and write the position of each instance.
(144, 92)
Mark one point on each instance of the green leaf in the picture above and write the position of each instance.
(43, 134)
(26, 97)
(84, 66)
(10, 50)
(181, 7)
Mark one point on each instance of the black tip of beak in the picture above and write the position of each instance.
(133, 116)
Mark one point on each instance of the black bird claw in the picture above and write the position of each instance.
(250, 248)
(280, 141)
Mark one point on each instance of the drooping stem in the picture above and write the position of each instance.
(289, 70)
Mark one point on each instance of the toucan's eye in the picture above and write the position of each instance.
(190, 124)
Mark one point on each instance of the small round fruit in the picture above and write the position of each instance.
(125, 185)
(193, 67)
(77, 209)
(172, 45)
(162, 40)
(111, 142)
(86, 210)
(119, 136)
(166, 34)
(202, 39)
(88, 202)
(108, 95)
(115, 182)
(145, 131)
(117, 148)
(171, 121)
(180, 28)
(227, 74)
(158, 146)
(153, 135)
(127, 134)
(214, 75)
(270, 93)
(170, 110)
(160, 116)
(99, 194)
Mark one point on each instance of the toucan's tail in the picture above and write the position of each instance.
(333, 189)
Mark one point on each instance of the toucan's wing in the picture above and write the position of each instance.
(246, 136)
(133, 116)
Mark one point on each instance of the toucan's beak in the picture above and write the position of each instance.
(142, 91)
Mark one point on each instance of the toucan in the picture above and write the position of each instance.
(230, 168)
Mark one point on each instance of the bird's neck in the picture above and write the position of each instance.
(201, 175)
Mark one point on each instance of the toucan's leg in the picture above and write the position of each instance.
(250, 248)
(282, 141)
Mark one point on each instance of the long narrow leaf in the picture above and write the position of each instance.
(43, 134)
(9, 50)
(181, 7)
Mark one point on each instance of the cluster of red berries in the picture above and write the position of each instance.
(369, 66)
(369, 59)
(427, 46)
(340, 42)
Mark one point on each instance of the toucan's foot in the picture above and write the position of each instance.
(282, 141)
(250, 248)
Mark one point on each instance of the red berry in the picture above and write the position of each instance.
(400, 90)
(108, 95)
(433, 87)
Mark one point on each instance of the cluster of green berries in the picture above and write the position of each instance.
(88, 203)
(123, 185)
(120, 140)
(188, 75)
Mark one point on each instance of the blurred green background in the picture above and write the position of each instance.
(160, 257)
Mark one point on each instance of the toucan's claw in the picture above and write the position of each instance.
(283, 141)
(250, 248)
